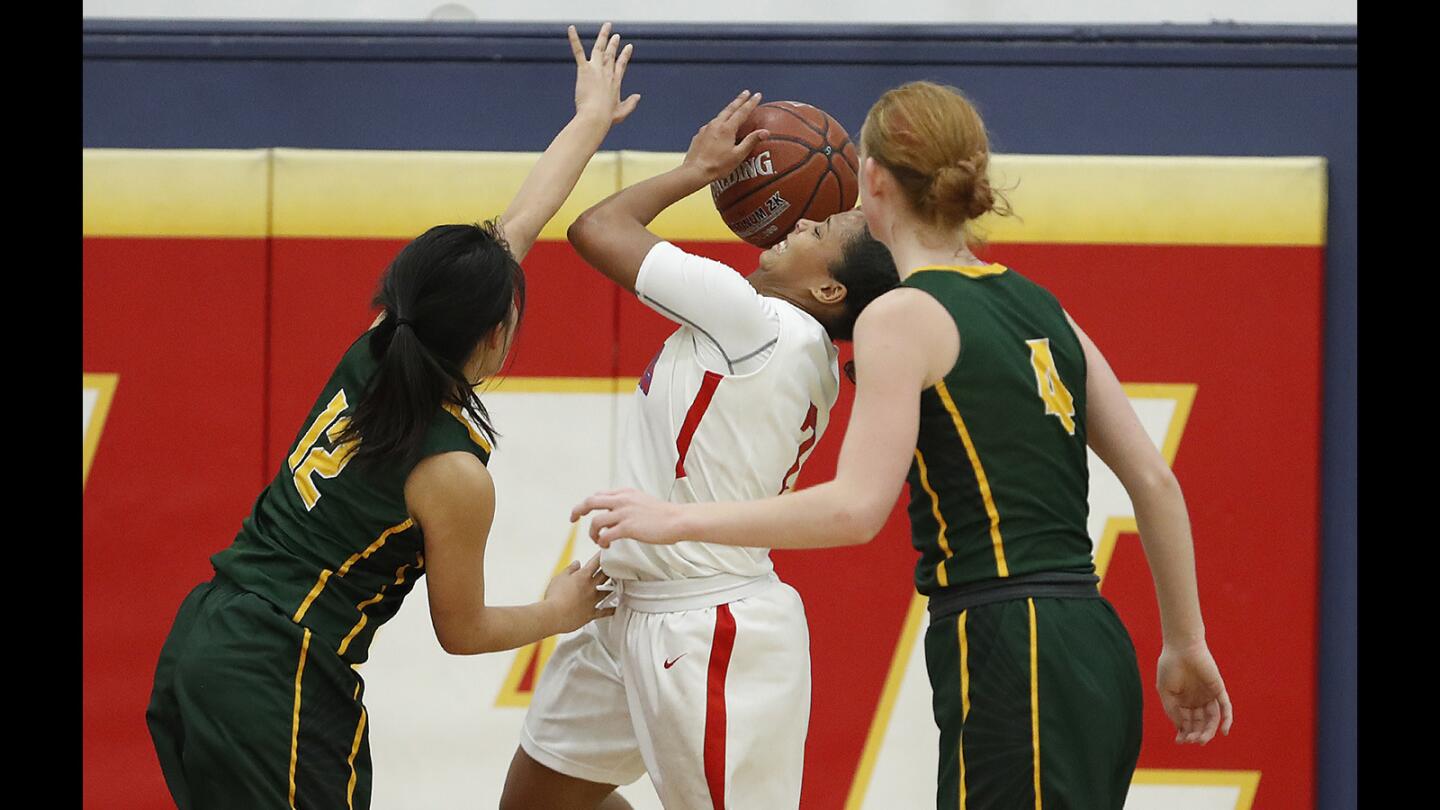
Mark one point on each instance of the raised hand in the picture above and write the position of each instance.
(713, 150)
(598, 77)
(1193, 693)
(628, 514)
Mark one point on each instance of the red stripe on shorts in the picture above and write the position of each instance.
(720, 648)
(692, 418)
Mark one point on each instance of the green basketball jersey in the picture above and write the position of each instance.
(999, 481)
(332, 546)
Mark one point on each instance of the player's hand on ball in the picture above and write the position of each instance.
(598, 77)
(1193, 693)
(713, 151)
(628, 514)
(575, 593)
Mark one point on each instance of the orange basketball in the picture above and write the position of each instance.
(805, 169)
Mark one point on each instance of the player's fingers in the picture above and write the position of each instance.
(748, 142)
(724, 114)
(622, 61)
(742, 113)
(1212, 722)
(1227, 713)
(600, 39)
(572, 567)
(591, 566)
(626, 107)
(575, 47)
(1197, 725)
(612, 49)
(1182, 723)
(600, 500)
(598, 523)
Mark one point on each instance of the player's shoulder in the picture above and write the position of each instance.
(796, 325)
(803, 344)
(455, 429)
(902, 308)
(452, 481)
(669, 254)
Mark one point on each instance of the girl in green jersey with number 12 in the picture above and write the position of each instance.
(256, 702)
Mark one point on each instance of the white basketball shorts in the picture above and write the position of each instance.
(703, 683)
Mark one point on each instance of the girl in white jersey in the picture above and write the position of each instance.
(702, 676)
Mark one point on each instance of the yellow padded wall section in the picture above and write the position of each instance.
(1058, 199)
(175, 192)
(1076, 199)
(398, 195)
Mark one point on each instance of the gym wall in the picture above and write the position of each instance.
(245, 185)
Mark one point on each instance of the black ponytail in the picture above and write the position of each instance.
(445, 292)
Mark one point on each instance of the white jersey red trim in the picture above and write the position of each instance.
(728, 410)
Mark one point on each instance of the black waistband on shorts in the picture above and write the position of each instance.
(950, 601)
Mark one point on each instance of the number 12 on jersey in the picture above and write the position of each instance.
(308, 459)
(1056, 396)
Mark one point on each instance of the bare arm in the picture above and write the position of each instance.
(613, 235)
(597, 108)
(452, 497)
(1188, 680)
(1115, 434)
(900, 341)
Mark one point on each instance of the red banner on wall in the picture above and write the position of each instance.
(221, 343)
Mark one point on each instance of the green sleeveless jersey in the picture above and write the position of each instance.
(999, 481)
(332, 546)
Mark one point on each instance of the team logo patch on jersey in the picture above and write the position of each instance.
(649, 373)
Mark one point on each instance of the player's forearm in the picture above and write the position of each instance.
(551, 180)
(1164, 526)
(644, 201)
(612, 235)
(505, 627)
(823, 516)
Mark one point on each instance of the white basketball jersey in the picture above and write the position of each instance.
(728, 410)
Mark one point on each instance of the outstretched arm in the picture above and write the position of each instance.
(452, 497)
(613, 235)
(900, 341)
(1189, 682)
(597, 108)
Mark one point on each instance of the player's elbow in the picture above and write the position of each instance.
(583, 230)
(1153, 481)
(456, 644)
(461, 638)
(856, 525)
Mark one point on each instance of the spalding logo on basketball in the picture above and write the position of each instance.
(805, 169)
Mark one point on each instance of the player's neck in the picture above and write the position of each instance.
(800, 298)
(914, 246)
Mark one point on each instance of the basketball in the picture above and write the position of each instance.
(806, 169)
